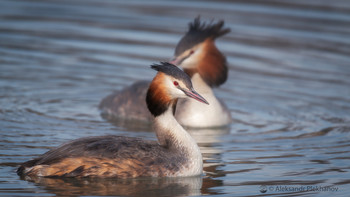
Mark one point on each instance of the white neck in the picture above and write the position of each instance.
(172, 135)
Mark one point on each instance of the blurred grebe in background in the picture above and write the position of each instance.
(174, 154)
(197, 54)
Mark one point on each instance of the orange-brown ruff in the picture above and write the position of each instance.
(159, 90)
(211, 65)
(175, 153)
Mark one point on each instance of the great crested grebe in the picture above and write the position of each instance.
(197, 54)
(175, 154)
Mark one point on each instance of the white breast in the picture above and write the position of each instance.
(192, 113)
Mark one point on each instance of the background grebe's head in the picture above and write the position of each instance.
(168, 85)
(196, 52)
(190, 44)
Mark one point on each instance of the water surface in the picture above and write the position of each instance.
(288, 91)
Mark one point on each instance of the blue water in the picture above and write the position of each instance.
(288, 91)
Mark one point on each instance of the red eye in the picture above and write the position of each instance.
(176, 83)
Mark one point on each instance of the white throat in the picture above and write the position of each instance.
(168, 130)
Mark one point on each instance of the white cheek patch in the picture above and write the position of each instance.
(179, 93)
(193, 60)
(172, 89)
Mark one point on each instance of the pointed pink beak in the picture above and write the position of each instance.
(193, 94)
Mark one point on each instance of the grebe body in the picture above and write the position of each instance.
(175, 154)
(129, 103)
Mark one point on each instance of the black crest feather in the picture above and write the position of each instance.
(174, 71)
(198, 32)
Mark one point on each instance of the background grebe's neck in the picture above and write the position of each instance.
(173, 136)
(200, 85)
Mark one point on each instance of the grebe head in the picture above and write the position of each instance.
(196, 52)
(168, 85)
(192, 42)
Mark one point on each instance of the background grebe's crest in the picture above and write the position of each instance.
(198, 32)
